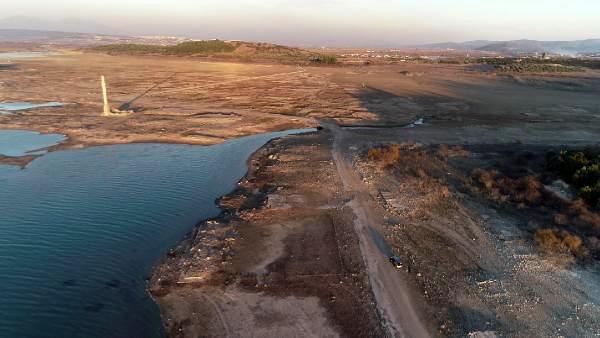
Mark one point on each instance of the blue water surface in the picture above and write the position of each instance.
(81, 229)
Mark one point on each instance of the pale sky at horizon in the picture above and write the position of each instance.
(332, 22)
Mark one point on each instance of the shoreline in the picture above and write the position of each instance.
(71, 143)
(224, 215)
(247, 254)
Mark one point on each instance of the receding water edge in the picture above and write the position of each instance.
(123, 206)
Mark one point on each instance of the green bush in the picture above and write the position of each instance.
(567, 163)
(591, 194)
(539, 65)
(184, 48)
(588, 175)
(130, 48)
(324, 59)
(200, 47)
(536, 68)
(580, 168)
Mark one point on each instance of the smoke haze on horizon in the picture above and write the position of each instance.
(327, 22)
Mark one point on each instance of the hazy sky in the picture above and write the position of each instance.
(332, 22)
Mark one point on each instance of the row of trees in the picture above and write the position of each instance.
(184, 48)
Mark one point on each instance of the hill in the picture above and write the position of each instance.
(469, 45)
(239, 50)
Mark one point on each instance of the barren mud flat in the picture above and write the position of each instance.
(175, 100)
(470, 266)
(302, 247)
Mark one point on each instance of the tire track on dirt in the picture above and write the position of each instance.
(393, 298)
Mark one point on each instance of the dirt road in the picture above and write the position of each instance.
(393, 298)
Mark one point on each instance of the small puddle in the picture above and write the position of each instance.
(17, 143)
(13, 106)
(22, 55)
(6, 108)
(418, 122)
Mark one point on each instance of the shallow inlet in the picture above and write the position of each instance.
(81, 229)
(15, 143)
(7, 108)
(22, 55)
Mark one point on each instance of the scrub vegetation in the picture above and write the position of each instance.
(581, 168)
(568, 226)
(184, 48)
(525, 64)
(237, 50)
(386, 155)
(324, 59)
(533, 65)
(563, 227)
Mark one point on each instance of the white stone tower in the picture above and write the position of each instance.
(106, 111)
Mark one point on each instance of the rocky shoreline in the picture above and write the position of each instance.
(281, 258)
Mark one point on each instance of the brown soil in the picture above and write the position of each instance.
(18, 161)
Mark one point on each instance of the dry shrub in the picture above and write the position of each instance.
(571, 217)
(551, 242)
(455, 151)
(573, 243)
(387, 155)
(525, 190)
(409, 160)
(548, 240)
(582, 215)
(487, 178)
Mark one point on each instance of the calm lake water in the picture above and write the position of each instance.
(80, 231)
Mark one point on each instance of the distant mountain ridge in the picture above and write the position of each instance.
(532, 46)
(468, 45)
(522, 46)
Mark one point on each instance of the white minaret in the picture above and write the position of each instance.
(106, 111)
